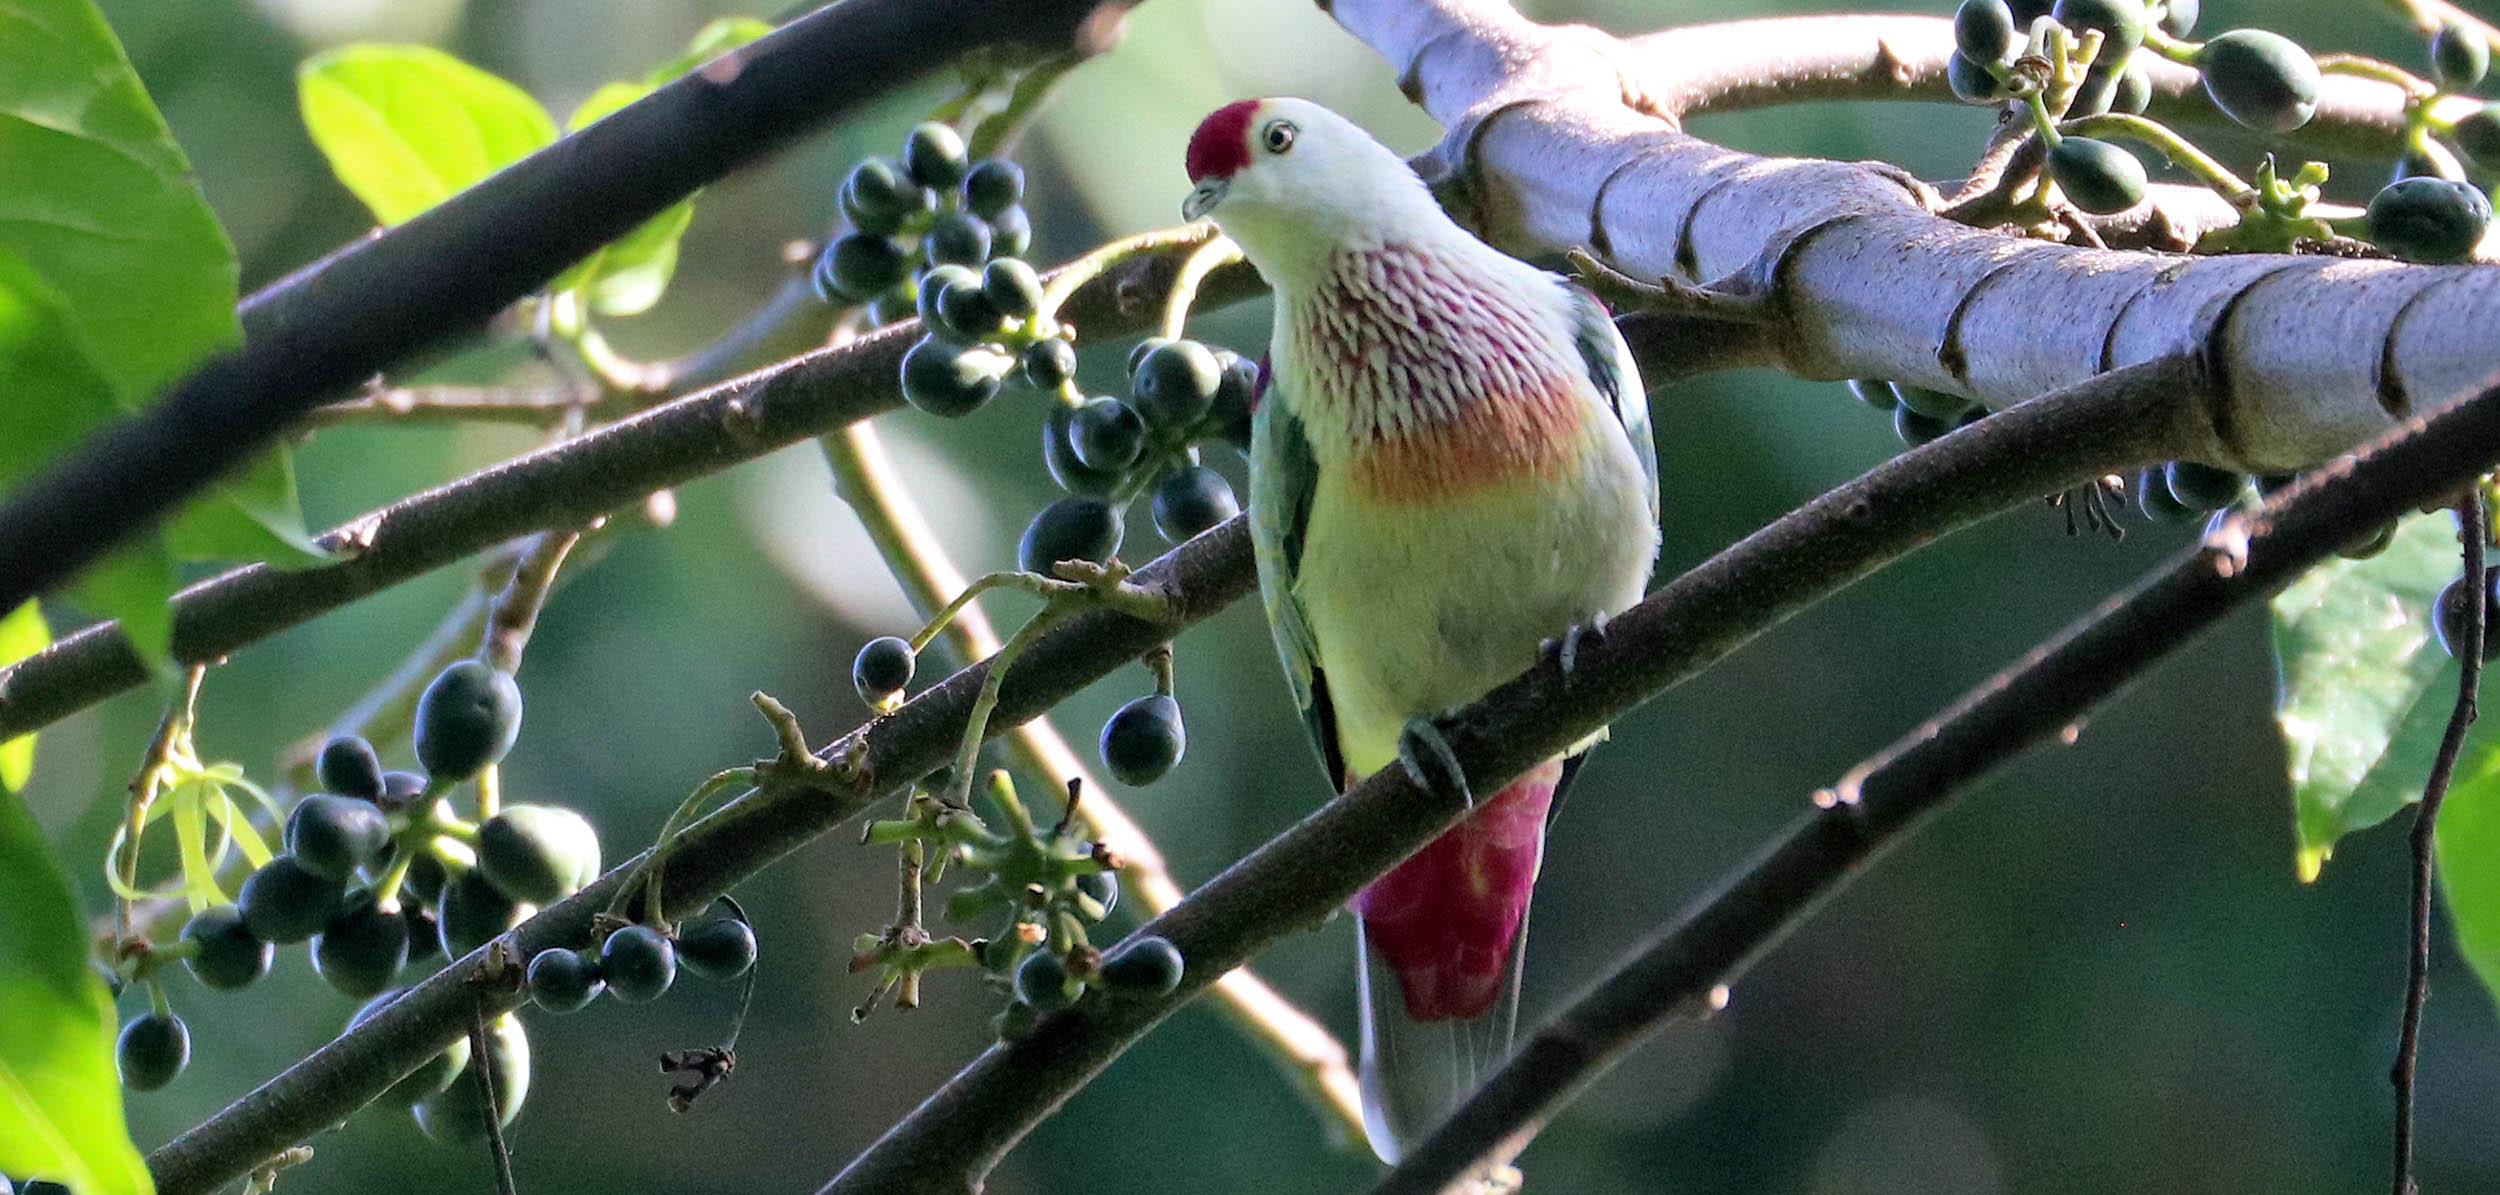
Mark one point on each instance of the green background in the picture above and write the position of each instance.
(2096, 975)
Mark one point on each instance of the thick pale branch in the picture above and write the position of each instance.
(1298, 878)
(2248, 559)
(563, 485)
(1552, 148)
(329, 327)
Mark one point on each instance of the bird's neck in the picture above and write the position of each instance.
(1425, 371)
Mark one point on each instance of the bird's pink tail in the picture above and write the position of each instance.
(1440, 939)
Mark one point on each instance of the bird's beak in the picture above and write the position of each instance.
(1203, 198)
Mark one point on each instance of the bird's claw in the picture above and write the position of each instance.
(1427, 757)
(1566, 650)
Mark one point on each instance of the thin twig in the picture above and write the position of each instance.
(516, 609)
(481, 1064)
(2249, 557)
(2472, 534)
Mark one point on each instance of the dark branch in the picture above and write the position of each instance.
(743, 837)
(563, 485)
(2472, 533)
(2251, 557)
(324, 330)
(2114, 422)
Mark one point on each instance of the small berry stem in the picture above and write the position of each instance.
(647, 879)
(1202, 261)
(2172, 146)
(1091, 266)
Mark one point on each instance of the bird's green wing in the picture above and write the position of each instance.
(1618, 378)
(1283, 478)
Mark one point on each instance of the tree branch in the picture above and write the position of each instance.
(733, 843)
(2249, 558)
(329, 327)
(1298, 878)
(563, 485)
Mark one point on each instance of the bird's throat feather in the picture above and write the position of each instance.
(1429, 385)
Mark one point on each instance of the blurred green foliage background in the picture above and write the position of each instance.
(2098, 974)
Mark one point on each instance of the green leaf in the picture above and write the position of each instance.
(406, 127)
(132, 587)
(253, 517)
(630, 274)
(99, 202)
(60, 1100)
(2352, 642)
(2468, 840)
(22, 634)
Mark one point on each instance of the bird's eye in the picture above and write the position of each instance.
(1277, 136)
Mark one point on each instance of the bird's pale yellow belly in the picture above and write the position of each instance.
(1419, 609)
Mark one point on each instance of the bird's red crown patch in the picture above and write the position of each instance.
(1221, 145)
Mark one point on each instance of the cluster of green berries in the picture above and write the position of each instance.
(938, 235)
(1919, 414)
(378, 874)
(443, 1093)
(1047, 980)
(1107, 450)
(638, 964)
(2419, 216)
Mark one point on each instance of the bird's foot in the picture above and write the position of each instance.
(1427, 757)
(1566, 649)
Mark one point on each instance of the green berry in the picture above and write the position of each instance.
(1190, 500)
(1916, 429)
(1971, 82)
(1137, 353)
(332, 836)
(2371, 545)
(878, 199)
(1074, 528)
(1143, 739)
(426, 874)
(2121, 23)
(966, 314)
(1175, 384)
(2478, 136)
(1148, 966)
(1042, 982)
(474, 912)
(283, 902)
(1102, 887)
(2263, 80)
(466, 719)
(1228, 417)
(2099, 177)
(538, 854)
(154, 1048)
(2201, 487)
(638, 964)
(1983, 29)
(564, 980)
(993, 186)
(933, 282)
(1935, 404)
(717, 947)
(425, 934)
(1107, 434)
(2449, 615)
(2135, 91)
(1012, 287)
(399, 789)
(2179, 16)
(1011, 233)
(362, 950)
(458, 1112)
(2459, 56)
(2436, 221)
(225, 955)
(1048, 363)
(957, 238)
(882, 668)
(1874, 392)
(349, 768)
(934, 156)
(859, 267)
(950, 381)
(428, 1079)
(1059, 456)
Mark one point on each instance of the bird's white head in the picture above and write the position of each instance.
(1290, 181)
